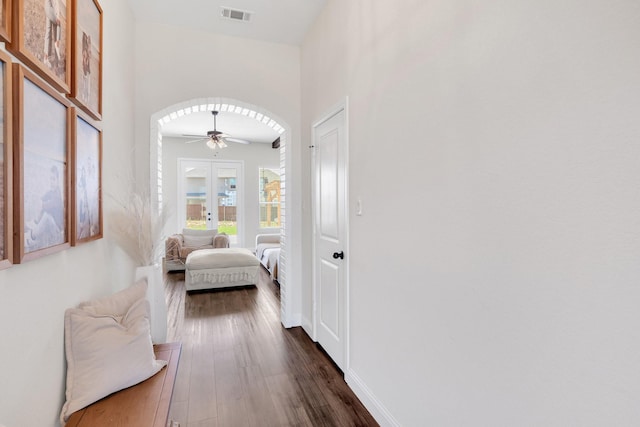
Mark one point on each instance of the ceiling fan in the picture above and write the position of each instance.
(216, 139)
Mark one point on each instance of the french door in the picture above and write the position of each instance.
(210, 196)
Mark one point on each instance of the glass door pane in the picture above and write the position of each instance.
(211, 203)
(196, 184)
(228, 201)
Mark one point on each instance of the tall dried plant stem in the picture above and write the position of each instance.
(138, 229)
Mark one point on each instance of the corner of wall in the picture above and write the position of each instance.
(307, 325)
(369, 400)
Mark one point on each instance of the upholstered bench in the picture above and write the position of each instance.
(220, 268)
(144, 404)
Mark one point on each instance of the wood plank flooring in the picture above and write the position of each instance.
(240, 367)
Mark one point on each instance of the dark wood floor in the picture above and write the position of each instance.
(240, 367)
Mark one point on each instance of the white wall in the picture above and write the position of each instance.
(34, 295)
(494, 273)
(254, 156)
(175, 64)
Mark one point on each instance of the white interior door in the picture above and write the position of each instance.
(210, 195)
(330, 234)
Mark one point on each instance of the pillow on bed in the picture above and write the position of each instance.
(108, 347)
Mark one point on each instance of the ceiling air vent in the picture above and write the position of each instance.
(235, 15)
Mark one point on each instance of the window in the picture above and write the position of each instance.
(269, 194)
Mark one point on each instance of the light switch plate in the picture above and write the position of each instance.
(359, 206)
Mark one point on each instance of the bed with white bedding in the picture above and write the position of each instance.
(268, 252)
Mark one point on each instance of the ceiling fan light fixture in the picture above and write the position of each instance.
(215, 142)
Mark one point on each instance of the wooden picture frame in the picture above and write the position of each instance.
(86, 180)
(41, 149)
(5, 20)
(86, 64)
(40, 38)
(6, 163)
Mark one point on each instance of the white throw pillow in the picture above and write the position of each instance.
(108, 348)
(119, 303)
(192, 232)
(197, 241)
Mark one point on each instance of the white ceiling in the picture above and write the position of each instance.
(277, 21)
(233, 124)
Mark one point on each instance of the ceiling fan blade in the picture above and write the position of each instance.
(214, 135)
(184, 135)
(237, 140)
(201, 139)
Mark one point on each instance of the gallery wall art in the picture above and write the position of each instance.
(50, 129)
(41, 148)
(6, 166)
(86, 85)
(86, 179)
(41, 32)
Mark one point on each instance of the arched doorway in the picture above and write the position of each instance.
(253, 112)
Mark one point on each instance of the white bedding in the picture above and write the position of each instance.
(269, 255)
(262, 247)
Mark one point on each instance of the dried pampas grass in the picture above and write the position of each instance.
(138, 229)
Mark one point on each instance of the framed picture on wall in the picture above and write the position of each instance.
(5, 20)
(86, 83)
(6, 170)
(40, 38)
(86, 139)
(41, 127)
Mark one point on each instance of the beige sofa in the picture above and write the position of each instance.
(179, 246)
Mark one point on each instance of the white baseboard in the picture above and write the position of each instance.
(292, 321)
(297, 319)
(369, 400)
(308, 327)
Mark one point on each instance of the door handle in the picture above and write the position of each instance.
(337, 255)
